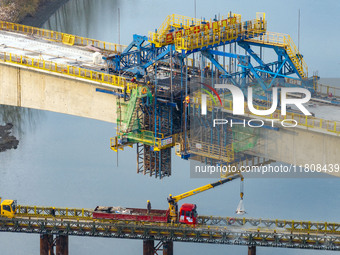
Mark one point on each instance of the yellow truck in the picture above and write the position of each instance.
(7, 208)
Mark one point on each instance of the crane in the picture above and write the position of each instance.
(188, 212)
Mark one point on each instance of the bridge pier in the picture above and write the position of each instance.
(46, 244)
(168, 248)
(148, 247)
(61, 245)
(251, 250)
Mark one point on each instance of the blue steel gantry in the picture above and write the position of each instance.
(174, 63)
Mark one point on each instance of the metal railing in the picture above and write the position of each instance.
(146, 137)
(327, 90)
(68, 70)
(177, 21)
(292, 225)
(223, 34)
(60, 37)
(215, 151)
(164, 37)
(46, 212)
(285, 41)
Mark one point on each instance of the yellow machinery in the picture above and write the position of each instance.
(7, 208)
(173, 207)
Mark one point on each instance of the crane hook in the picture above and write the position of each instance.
(240, 208)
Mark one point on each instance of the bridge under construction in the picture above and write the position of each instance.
(155, 89)
(55, 229)
(157, 84)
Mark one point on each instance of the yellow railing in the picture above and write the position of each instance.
(177, 21)
(62, 213)
(171, 21)
(215, 151)
(302, 120)
(146, 137)
(327, 90)
(68, 70)
(285, 41)
(189, 25)
(60, 37)
(224, 34)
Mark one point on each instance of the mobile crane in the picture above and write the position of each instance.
(188, 213)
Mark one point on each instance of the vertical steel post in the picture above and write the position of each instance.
(62, 245)
(185, 105)
(118, 26)
(251, 250)
(148, 247)
(168, 248)
(46, 244)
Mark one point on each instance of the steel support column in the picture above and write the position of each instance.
(62, 245)
(168, 248)
(251, 250)
(46, 244)
(148, 247)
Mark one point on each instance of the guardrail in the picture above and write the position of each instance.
(64, 213)
(292, 225)
(146, 137)
(285, 41)
(215, 151)
(60, 37)
(327, 90)
(68, 70)
(247, 29)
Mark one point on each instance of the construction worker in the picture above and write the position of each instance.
(53, 211)
(148, 206)
(187, 100)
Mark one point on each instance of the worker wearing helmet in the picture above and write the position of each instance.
(148, 206)
(53, 211)
(187, 100)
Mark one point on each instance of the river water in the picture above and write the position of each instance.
(65, 161)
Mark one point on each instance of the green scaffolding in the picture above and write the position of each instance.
(127, 118)
(244, 138)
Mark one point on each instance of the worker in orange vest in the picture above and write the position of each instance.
(187, 100)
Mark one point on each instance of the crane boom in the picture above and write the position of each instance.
(204, 188)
